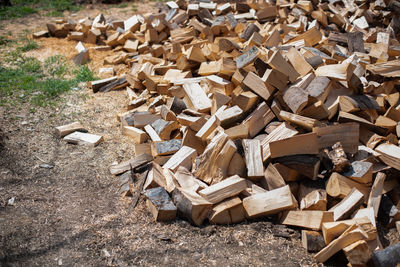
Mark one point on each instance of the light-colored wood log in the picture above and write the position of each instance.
(360, 172)
(197, 97)
(257, 85)
(64, 130)
(254, 163)
(339, 186)
(229, 187)
(132, 163)
(258, 119)
(348, 205)
(153, 135)
(269, 203)
(281, 132)
(376, 192)
(303, 122)
(184, 157)
(79, 138)
(310, 219)
(345, 133)
(350, 236)
(389, 154)
(295, 145)
(229, 211)
(191, 205)
(358, 253)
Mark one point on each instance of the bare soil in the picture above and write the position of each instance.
(73, 215)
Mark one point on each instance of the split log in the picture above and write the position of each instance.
(160, 204)
(269, 203)
(229, 211)
(348, 205)
(184, 157)
(254, 163)
(312, 240)
(79, 138)
(130, 164)
(310, 219)
(191, 205)
(376, 192)
(64, 130)
(229, 187)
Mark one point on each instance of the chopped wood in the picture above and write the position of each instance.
(269, 203)
(64, 130)
(229, 187)
(229, 211)
(348, 205)
(79, 138)
(183, 157)
(160, 204)
(295, 145)
(254, 163)
(130, 164)
(310, 219)
(313, 241)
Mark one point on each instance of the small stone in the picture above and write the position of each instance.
(11, 201)
(106, 253)
(46, 166)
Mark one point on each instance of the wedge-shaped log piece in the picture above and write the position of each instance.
(64, 130)
(348, 205)
(138, 135)
(132, 163)
(269, 203)
(229, 211)
(258, 119)
(313, 241)
(207, 169)
(211, 124)
(79, 138)
(237, 166)
(153, 135)
(184, 157)
(197, 97)
(332, 230)
(283, 131)
(187, 181)
(160, 204)
(224, 158)
(277, 62)
(358, 253)
(376, 192)
(303, 122)
(191, 205)
(336, 71)
(229, 116)
(296, 98)
(319, 88)
(295, 145)
(350, 236)
(272, 178)
(339, 186)
(164, 128)
(155, 177)
(298, 61)
(275, 78)
(313, 199)
(310, 219)
(311, 37)
(229, 187)
(360, 171)
(347, 117)
(168, 147)
(248, 57)
(390, 154)
(254, 163)
(345, 133)
(257, 85)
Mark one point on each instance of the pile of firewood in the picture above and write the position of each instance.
(257, 109)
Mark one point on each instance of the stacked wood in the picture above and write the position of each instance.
(260, 109)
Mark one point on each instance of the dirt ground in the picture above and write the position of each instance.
(72, 214)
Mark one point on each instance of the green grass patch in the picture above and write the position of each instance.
(22, 8)
(26, 79)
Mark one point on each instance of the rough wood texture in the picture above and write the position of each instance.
(252, 153)
(312, 240)
(80, 138)
(269, 203)
(64, 130)
(130, 164)
(229, 211)
(229, 187)
(348, 205)
(310, 219)
(160, 204)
